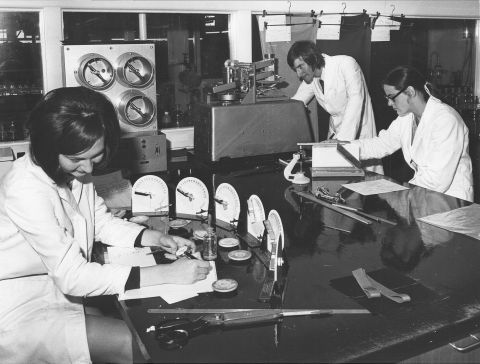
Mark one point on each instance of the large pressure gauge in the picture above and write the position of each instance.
(95, 72)
(136, 108)
(134, 70)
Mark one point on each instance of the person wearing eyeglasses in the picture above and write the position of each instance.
(338, 84)
(432, 135)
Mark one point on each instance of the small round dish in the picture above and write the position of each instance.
(239, 255)
(225, 285)
(176, 224)
(199, 234)
(228, 242)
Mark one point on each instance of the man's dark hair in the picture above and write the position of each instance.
(309, 53)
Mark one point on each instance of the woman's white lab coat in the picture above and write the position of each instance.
(345, 98)
(46, 238)
(438, 152)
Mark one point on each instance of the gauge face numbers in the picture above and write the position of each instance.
(191, 197)
(95, 72)
(135, 70)
(150, 196)
(255, 216)
(227, 204)
(136, 108)
(277, 227)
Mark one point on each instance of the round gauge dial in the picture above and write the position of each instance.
(277, 226)
(227, 204)
(191, 197)
(255, 216)
(136, 108)
(95, 72)
(135, 70)
(150, 196)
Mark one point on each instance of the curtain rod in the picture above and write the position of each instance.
(314, 20)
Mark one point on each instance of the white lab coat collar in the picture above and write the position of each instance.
(423, 124)
(72, 199)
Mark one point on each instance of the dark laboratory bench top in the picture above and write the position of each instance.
(437, 268)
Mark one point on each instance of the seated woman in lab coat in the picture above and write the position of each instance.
(50, 215)
(432, 135)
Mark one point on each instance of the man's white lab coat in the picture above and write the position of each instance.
(438, 152)
(46, 238)
(345, 98)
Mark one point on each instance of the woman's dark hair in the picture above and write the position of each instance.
(69, 121)
(309, 53)
(403, 76)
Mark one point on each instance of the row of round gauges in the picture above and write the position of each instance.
(150, 196)
(97, 72)
(256, 217)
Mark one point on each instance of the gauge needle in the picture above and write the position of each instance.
(186, 194)
(143, 194)
(162, 207)
(222, 202)
(135, 71)
(139, 111)
(96, 73)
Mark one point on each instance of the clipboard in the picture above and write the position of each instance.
(336, 160)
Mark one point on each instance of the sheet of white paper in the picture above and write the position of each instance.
(374, 187)
(280, 33)
(330, 27)
(326, 155)
(171, 293)
(271, 19)
(114, 189)
(464, 220)
(380, 35)
(387, 23)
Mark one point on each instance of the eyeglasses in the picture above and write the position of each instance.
(392, 98)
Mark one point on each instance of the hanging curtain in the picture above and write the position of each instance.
(280, 49)
(355, 42)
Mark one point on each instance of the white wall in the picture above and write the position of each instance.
(425, 8)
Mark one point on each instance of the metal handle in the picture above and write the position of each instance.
(473, 342)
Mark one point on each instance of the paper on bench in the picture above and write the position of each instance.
(326, 155)
(171, 293)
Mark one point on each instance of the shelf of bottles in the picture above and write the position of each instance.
(21, 89)
(16, 101)
(463, 99)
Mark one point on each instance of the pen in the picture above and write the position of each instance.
(156, 251)
(190, 255)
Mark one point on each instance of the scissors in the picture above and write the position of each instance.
(174, 333)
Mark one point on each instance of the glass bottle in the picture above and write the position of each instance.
(178, 115)
(3, 133)
(166, 120)
(12, 131)
(210, 242)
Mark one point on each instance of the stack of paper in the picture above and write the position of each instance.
(171, 293)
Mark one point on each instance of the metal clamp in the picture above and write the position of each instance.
(472, 343)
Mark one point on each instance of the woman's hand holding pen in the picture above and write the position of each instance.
(182, 271)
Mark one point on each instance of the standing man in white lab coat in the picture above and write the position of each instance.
(338, 84)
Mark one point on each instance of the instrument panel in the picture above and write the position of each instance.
(125, 73)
